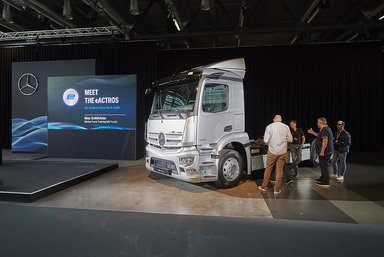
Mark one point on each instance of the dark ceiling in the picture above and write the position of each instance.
(201, 23)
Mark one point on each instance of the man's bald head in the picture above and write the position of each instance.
(278, 118)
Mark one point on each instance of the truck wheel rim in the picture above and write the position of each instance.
(231, 169)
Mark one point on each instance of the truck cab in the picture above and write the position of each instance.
(196, 129)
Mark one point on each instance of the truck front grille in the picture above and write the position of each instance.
(172, 140)
(165, 148)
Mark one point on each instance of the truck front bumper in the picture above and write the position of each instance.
(186, 165)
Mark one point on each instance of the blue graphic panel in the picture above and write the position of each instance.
(29, 135)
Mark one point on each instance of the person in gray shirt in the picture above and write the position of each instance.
(295, 148)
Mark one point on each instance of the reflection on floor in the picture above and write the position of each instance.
(342, 202)
(132, 188)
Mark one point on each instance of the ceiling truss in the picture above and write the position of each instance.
(177, 24)
(59, 33)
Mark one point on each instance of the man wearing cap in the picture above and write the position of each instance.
(342, 145)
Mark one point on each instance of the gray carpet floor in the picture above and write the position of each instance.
(40, 231)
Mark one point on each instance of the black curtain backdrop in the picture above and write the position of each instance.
(337, 81)
(111, 58)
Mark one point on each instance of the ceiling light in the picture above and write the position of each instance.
(176, 24)
(205, 5)
(134, 7)
(67, 10)
(382, 17)
(6, 15)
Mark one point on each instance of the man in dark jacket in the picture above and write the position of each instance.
(342, 144)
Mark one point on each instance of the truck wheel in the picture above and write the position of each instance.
(313, 154)
(231, 167)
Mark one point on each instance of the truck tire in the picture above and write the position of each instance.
(313, 154)
(231, 169)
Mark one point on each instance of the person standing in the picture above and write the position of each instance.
(277, 135)
(324, 148)
(296, 146)
(342, 145)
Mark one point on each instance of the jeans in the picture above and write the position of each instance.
(339, 168)
(272, 159)
(296, 154)
(324, 166)
(286, 172)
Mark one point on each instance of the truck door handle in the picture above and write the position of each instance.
(228, 128)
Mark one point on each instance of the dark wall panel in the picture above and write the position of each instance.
(337, 81)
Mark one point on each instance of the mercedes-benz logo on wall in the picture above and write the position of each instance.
(161, 139)
(28, 84)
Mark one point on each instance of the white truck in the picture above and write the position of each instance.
(196, 129)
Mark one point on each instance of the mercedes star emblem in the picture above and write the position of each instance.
(161, 139)
(28, 84)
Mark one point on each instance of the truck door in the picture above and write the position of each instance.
(215, 117)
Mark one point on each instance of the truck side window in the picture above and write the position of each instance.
(215, 98)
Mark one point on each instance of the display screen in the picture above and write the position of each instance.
(92, 103)
(92, 117)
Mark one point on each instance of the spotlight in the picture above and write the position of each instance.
(7, 13)
(67, 10)
(382, 17)
(176, 24)
(134, 7)
(205, 5)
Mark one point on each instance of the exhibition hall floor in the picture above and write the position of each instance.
(132, 188)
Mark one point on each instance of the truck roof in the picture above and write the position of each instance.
(229, 68)
(233, 66)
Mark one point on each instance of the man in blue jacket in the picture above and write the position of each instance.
(342, 145)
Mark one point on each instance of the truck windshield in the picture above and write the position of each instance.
(179, 98)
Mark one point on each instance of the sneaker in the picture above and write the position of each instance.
(276, 192)
(289, 181)
(323, 184)
(318, 180)
(262, 189)
(340, 178)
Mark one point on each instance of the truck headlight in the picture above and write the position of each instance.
(186, 161)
